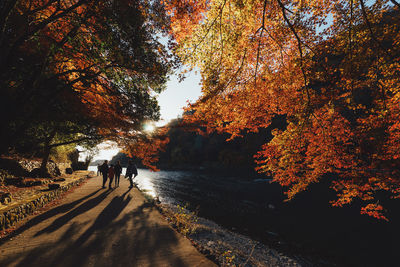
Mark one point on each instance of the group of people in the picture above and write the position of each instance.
(114, 171)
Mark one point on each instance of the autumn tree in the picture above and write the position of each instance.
(146, 146)
(79, 71)
(330, 67)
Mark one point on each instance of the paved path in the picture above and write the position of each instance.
(100, 227)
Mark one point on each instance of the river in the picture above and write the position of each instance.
(306, 226)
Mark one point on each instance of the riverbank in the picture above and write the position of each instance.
(224, 247)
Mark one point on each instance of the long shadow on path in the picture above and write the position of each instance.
(111, 212)
(112, 240)
(86, 206)
(48, 214)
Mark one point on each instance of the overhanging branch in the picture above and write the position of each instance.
(72, 141)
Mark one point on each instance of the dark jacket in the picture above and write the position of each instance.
(131, 170)
(117, 169)
(104, 168)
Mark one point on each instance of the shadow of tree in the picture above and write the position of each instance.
(134, 239)
(48, 214)
(86, 206)
(106, 217)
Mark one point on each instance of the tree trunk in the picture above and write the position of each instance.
(45, 159)
(46, 154)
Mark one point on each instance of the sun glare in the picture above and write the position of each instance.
(148, 127)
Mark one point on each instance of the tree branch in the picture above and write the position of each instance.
(259, 42)
(53, 17)
(299, 46)
(208, 30)
(71, 142)
(396, 3)
(222, 88)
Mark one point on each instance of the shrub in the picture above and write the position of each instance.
(3, 175)
(184, 220)
(228, 258)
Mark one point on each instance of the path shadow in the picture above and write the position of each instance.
(133, 239)
(47, 215)
(106, 217)
(84, 207)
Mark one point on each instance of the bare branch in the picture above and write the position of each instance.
(299, 45)
(259, 42)
(71, 142)
(396, 3)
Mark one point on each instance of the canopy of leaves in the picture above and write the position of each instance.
(79, 71)
(331, 67)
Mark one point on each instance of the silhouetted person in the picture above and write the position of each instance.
(104, 171)
(117, 170)
(111, 173)
(98, 169)
(131, 170)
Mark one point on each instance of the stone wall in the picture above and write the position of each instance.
(63, 167)
(52, 167)
(16, 212)
(20, 167)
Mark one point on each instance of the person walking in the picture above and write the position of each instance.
(104, 171)
(118, 171)
(111, 173)
(98, 169)
(131, 170)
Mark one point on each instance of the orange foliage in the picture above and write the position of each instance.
(147, 147)
(332, 68)
(186, 15)
(68, 41)
(102, 54)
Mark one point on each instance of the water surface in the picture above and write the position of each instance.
(306, 226)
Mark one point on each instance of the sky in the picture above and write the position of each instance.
(171, 101)
(175, 97)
